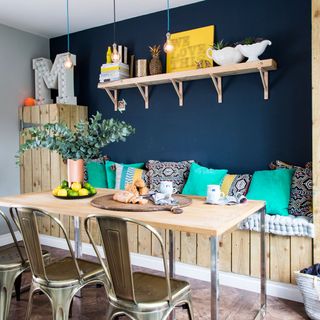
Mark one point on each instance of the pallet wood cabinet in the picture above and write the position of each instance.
(42, 170)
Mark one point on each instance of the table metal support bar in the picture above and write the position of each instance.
(214, 278)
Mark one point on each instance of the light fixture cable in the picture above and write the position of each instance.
(114, 21)
(168, 15)
(68, 27)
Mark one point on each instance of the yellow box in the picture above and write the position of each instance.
(189, 47)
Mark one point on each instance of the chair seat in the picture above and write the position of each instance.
(64, 271)
(151, 288)
(10, 257)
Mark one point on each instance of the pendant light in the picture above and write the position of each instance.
(68, 64)
(168, 46)
(115, 56)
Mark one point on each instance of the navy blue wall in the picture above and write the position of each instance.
(245, 132)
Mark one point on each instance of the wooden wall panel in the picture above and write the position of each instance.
(280, 258)
(225, 256)
(241, 252)
(316, 123)
(156, 247)
(188, 247)
(144, 241)
(203, 250)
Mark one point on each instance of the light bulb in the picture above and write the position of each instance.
(68, 64)
(115, 56)
(168, 46)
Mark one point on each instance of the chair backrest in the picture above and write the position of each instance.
(4, 217)
(26, 221)
(115, 239)
(114, 235)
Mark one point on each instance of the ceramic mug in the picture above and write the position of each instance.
(214, 193)
(166, 187)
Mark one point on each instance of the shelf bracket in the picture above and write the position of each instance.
(144, 90)
(178, 87)
(264, 75)
(217, 82)
(114, 97)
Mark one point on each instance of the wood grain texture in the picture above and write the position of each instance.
(156, 247)
(133, 237)
(241, 252)
(225, 254)
(280, 258)
(188, 247)
(203, 250)
(144, 241)
(316, 124)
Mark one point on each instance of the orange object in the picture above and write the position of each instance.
(29, 102)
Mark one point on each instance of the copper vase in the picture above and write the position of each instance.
(75, 171)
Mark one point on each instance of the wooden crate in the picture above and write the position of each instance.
(42, 170)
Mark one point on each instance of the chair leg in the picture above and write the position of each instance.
(61, 300)
(17, 286)
(190, 310)
(30, 302)
(7, 279)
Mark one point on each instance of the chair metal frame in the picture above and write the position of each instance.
(9, 274)
(60, 293)
(131, 307)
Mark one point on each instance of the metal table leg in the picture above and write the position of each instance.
(172, 266)
(77, 244)
(214, 278)
(263, 274)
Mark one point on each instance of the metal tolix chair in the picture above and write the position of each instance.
(13, 262)
(138, 295)
(61, 279)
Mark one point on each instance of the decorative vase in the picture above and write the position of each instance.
(141, 68)
(253, 51)
(155, 66)
(75, 171)
(225, 56)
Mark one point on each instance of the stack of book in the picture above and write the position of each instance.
(114, 71)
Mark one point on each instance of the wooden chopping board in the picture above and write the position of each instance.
(107, 203)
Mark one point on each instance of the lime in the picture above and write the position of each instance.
(83, 192)
(73, 193)
(64, 184)
(87, 185)
(93, 190)
(62, 193)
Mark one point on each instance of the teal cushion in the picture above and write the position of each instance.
(111, 174)
(200, 177)
(96, 174)
(272, 186)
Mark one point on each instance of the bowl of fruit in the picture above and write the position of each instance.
(77, 190)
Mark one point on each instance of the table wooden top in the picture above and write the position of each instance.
(212, 220)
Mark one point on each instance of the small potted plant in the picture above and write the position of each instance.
(77, 145)
(223, 54)
(253, 48)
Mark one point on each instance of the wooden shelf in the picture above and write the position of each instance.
(177, 78)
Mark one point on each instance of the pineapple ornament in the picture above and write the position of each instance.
(155, 65)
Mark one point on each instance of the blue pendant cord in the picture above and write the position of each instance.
(168, 15)
(68, 27)
(114, 21)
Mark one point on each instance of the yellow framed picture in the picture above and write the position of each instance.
(190, 47)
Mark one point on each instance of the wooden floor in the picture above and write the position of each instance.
(235, 303)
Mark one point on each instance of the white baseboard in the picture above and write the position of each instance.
(7, 238)
(276, 289)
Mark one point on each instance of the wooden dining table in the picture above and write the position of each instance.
(200, 218)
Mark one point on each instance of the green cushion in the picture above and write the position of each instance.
(111, 174)
(200, 177)
(272, 186)
(96, 174)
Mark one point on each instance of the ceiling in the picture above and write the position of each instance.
(48, 17)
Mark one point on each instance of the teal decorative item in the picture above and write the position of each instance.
(272, 186)
(111, 173)
(200, 177)
(96, 174)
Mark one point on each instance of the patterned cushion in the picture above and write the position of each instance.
(301, 193)
(127, 175)
(236, 183)
(177, 172)
(301, 188)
